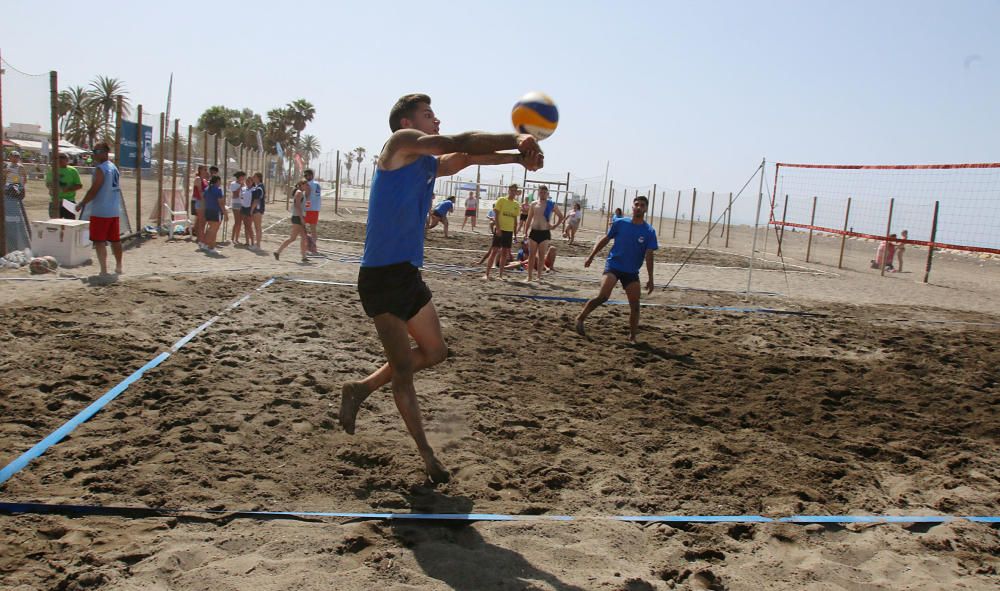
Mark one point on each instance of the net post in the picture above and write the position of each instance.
(611, 205)
(659, 228)
(336, 191)
(173, 169)
(888, 229)
(784, 214)
(652, 206)
(843, 237)
(930, 247)
(694, 198)
(812, 222)
(54, 152)
(204, 147)
(159, 180)
(729, 218)
(140, 150)
(187, 170)
(677, 212)
(118, 129)
(756, 223)
(711, 219)
(583, 210)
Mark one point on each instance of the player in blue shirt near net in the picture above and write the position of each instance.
(392, 291)
(635, 241)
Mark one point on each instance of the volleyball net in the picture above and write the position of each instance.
(941, 206)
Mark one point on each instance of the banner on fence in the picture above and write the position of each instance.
(130, 148)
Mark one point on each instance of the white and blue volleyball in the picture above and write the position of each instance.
(536, 114)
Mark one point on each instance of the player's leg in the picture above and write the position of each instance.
(608, 281)
(633, 290)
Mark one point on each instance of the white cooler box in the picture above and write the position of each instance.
(66, 240)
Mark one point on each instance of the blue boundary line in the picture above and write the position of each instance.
(59, 434)
(139, 512)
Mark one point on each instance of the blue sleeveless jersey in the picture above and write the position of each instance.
(107, 202)
(397, 209)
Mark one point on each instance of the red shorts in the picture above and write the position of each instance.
(312, 217)
(104, 230)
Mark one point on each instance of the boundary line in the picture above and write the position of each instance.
(140, 512)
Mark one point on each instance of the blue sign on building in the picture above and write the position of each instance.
(130, 149)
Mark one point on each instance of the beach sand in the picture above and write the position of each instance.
(878, 395)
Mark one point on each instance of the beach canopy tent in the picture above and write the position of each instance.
(36, 147)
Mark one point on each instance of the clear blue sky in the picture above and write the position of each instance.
(684, 94)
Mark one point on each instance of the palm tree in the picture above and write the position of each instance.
(359, 155)
(310, 147)
(300, 112)
(73, 103)
(348, 163)
(216, 119)
(105, 93)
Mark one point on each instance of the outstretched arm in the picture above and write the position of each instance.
(597, 248)
(450, 164)
(412, 141)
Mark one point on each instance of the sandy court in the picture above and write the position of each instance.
(875, 395)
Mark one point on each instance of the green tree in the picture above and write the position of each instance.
(73, 105)
(359, 155)
(299, 113)
(310, 147)
(217, 119)
(348, 163)
(105, 92)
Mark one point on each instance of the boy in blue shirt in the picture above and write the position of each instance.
(635, 241)
(393, 294)
(439, 215)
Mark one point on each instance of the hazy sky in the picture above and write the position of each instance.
(683, 94)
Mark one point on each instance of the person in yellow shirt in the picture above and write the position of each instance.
(507, 209)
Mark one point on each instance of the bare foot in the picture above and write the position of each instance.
(631, 339)
(487, 278)
(118, 270)
(436, 471)
(579, 327)
(352, 394)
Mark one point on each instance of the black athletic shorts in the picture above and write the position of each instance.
(470, 213)
(540, 236)
(245, 211)
(296, 220)
(505, 239)
(397, 289)
(626, 279)
(214, 215)
(524, 216)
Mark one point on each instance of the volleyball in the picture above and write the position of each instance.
(536, 114)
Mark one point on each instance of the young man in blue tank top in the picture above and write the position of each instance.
(635, 241)
(392, 291)
(104, 202)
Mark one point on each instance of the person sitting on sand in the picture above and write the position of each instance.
(522, 258)
(884, 254)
